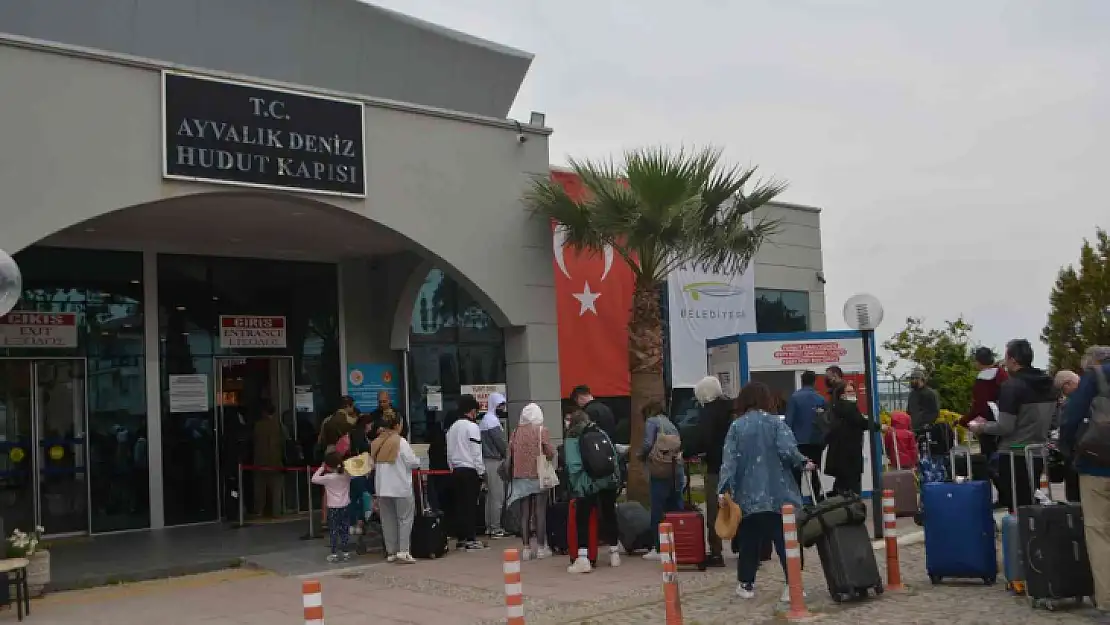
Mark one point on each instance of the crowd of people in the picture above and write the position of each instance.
(761, 452)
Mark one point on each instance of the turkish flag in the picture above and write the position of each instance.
(593, 295)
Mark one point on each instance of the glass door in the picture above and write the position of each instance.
(43, 470)
(17, 447)
(245, 389)
(62, 458)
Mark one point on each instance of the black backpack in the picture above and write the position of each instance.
(599, 458)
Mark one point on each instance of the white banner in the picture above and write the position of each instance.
(705, 305)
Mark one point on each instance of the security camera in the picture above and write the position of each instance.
(821, 277)
(520, 138)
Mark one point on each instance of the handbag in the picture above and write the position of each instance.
(505, 467)
(545, 471)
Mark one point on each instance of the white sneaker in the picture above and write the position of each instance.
(745, 591)
(333, 557)
(581, 565)
(651, 555)
(543, 552)
(527, 555)
(785, 598)
(391, 558)
(614, 558)
(405, 558)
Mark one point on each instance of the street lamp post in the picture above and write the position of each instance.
(863, 312)
(11, 283)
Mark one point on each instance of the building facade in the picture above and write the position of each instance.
(323, 202)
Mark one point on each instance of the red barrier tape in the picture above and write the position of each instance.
(255, 467)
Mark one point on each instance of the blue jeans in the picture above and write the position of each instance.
(359, 485)
(666, 496)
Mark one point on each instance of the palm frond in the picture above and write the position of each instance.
(662, 208)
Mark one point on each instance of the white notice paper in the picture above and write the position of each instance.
(188, 393)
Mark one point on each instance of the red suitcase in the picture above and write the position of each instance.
(572, 533)
(689, 538)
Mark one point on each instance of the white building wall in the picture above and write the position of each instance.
(791, 260)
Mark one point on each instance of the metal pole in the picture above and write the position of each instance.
(876, 436)
(239, 489)
(311, 522)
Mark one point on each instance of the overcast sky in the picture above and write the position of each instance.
(955, 146)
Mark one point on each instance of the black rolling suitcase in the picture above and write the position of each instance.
(848, 561)
(1053, 547)
(1055, 557)
(429, 531)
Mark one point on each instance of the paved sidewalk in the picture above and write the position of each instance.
(467, 588)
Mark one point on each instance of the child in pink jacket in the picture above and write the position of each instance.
(337, 497)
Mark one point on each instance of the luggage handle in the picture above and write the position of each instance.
(805, 480)
(894, 443)
(1030, 465)
(957, 450)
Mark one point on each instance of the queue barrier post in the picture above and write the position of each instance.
(672, 601)
(890, 524)
(239, 495)
(313, 600)
(311, 522)
(797, 610)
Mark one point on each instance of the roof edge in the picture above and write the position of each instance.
(451, 33)
(140, 62)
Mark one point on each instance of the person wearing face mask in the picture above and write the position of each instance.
(923, 403)
(494, 449)
(844, 458)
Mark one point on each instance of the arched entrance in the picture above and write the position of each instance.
(165, 371)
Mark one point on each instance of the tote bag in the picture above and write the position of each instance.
(545, 470)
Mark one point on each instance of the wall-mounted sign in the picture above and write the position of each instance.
(38, 330)
(481, 392)
(799, 355)
(237, 133)
(252, 332)
(188, 393)
(365, 381)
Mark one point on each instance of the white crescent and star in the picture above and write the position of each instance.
(587, 298)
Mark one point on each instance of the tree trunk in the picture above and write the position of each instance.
(645, 361)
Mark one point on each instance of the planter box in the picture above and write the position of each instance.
(38, 573)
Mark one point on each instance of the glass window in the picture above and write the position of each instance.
(104, 290)
(781, 311)
(454, 341)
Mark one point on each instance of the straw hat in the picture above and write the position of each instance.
(728, 518)
(358, 466)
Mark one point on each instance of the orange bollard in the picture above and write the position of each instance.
(671, 599)
(514, 592)
(1045, 486)
(797, 609)
(890, 525)
(313, 602)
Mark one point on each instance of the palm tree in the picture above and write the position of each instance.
(659, 210)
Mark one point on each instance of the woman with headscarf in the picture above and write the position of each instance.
(494, 449)
(529, 440)
(394, 462)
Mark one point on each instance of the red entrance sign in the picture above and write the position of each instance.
(252, 332)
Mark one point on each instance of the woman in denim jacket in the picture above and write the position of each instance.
(757, 467)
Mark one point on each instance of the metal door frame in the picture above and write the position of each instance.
(217, 395)
(36, 474)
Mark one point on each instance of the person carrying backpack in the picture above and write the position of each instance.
(661, 452)
(1090, 450)
(594, 477)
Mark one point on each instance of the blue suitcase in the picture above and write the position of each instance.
(959, 531)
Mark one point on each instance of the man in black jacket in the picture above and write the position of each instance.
(923, 403)
(598, 412)
(713, 424)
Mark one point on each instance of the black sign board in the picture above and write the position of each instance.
(236, 133)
